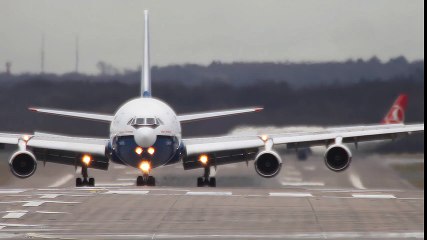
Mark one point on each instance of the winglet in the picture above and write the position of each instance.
(396, 114)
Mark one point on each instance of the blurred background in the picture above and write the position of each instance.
(306, 62)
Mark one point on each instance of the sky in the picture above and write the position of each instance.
(202, 31)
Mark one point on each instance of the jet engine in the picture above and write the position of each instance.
(23, 164)
(338, 157)
(268, 164)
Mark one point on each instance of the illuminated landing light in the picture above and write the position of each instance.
(204, 159)
(264, 138)
(26, 138)
(139, 150)
(145, 167)
(86, 159)
(151, 150)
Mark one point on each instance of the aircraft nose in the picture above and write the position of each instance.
(145, 137)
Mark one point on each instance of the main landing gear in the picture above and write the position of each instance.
(85, 181)
(146, 180)
(206, 180)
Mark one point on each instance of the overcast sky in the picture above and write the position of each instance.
(200, 31)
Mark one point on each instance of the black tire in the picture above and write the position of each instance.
(91, 182)
(140, 181)
(79, 182)
(200, 182)
(151, 181)
(212, 182)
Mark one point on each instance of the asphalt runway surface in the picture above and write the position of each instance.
(306, 201)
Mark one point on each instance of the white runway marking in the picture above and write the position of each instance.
(209, 193)
(302, 184)
(283, 194)
(315, 235)
(292, 179)
(309, 168)
(50, 196)
(128, 192)
(374, 196)
(62, 181)
(355, 180)
(115, 184)
(126, 179)
(15, 191)
(119, 167)
(33, 204)
(14, 215)
(44, 212)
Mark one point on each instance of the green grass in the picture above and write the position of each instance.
(414, 173)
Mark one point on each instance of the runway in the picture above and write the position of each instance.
(307, 201)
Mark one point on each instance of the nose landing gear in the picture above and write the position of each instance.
(145, 180)
(206, 180)
(85, 181)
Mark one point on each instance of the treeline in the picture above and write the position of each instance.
(330, 104)
(297, 75)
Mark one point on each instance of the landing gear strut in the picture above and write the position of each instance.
(146, 180)
(206, 180)
(85, 181)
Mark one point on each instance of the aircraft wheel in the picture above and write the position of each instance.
(200, 182)
(140, 181)
(79, 182)
(151, 181)
(91, 182)
(212, 182)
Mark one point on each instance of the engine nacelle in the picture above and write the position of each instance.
(338, 157)
(23, 164)
(268, 164)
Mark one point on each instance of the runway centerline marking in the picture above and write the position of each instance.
(50, 196)
(11, 191)
(302, 184)
(374, 196)
(62, 181)
(130, 192)
(356, 181)
(285, 194)
(209, 193)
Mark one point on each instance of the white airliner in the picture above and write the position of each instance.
(145, 134)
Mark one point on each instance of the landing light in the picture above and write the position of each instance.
(204, 159)
(151, 150)
(26, 138)
(264, 138)
(139, 150)
(86, 159)
(145, 167)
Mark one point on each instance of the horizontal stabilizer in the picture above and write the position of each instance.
(80, 115)
(210, 115)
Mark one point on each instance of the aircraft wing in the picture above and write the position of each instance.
(210, 115)
(62, 149)
(231, 148)
(81, 115)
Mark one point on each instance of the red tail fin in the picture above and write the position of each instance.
(396, 115)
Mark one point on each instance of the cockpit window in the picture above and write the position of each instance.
(138, 122)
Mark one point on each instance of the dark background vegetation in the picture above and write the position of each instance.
(335, 93)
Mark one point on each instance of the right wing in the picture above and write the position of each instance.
(80, 115)
(231, 149)
(209, 115)
(62, 149)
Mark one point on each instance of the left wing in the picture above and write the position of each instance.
(232, 148)
(210, 115)
(61, 149)
(80, 115)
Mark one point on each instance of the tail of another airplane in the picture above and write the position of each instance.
(396, 115)
(146, 71)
